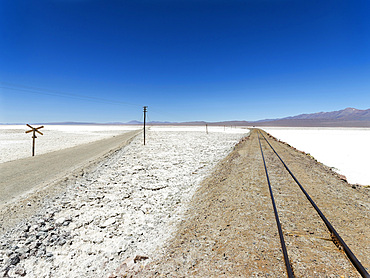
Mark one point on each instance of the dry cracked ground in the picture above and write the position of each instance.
(230, 230)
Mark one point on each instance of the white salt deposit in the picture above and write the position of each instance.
(16, 144)
(345, 149)
(127, 206)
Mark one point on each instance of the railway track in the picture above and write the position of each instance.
(230, 229)
(320, 232)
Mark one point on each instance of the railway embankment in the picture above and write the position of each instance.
(230, 229)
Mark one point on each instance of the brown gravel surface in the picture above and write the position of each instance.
(229, 229)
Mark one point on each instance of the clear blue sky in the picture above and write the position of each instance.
(186, 59)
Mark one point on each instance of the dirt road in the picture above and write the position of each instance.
(22, 178)
(230, 230)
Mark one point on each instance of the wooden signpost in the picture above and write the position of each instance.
(34, 130)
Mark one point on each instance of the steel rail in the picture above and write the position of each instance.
(282, 241)
(356, 263)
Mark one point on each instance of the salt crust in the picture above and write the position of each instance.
(345, 149)
(16, 144)
(130, 204)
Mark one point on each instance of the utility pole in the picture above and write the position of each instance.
(145, 110)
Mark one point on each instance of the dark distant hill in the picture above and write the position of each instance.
(134, 123)
(149, 123)
(65, 123)
(92, 123)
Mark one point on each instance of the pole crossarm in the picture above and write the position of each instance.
(34, 129)
(39, 132)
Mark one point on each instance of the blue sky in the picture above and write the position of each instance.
(101, 61)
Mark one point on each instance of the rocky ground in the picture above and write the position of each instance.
(128, 206)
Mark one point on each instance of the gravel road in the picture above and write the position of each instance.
(22, 179)
(22, 176)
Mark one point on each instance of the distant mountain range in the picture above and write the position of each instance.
(348, 114)
(349, 117)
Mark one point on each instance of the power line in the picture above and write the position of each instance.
(48, 92)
